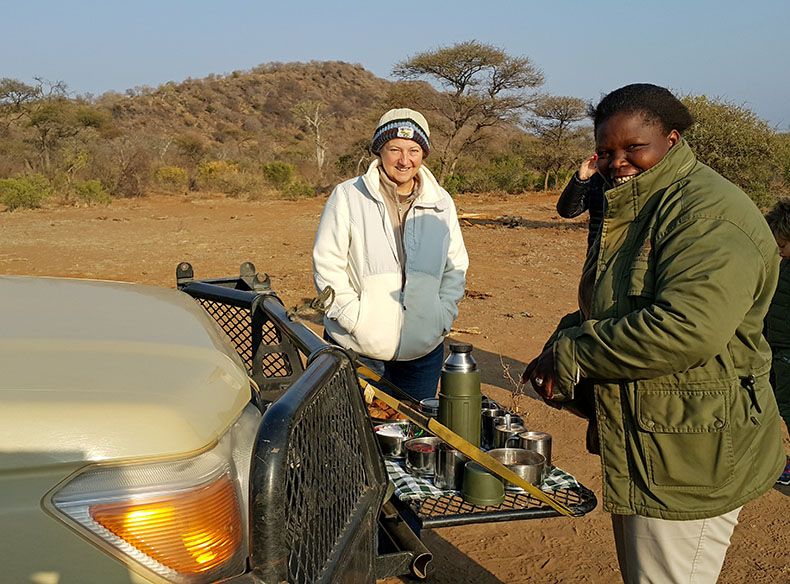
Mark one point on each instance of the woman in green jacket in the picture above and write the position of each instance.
(668, 340)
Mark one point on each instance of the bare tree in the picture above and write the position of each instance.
(313, 116)
(484, 87)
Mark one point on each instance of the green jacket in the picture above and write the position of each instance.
(685, 272)
(777, 322)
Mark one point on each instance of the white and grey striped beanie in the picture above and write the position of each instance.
(402, 123)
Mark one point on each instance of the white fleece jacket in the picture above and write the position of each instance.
(355, 253)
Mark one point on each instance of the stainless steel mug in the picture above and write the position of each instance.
(505, 435)
(487, 417)
(538, 442)
(449, 467)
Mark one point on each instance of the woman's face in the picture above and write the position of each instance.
(401, 159)
(628, 144)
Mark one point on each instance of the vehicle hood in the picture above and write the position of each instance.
(98, 371)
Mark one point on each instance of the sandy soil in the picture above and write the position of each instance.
(521, 281)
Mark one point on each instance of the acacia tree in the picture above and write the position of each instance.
(484, 87)
(554, 120)
(15, 96)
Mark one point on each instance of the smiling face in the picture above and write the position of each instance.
(628, 144)
(401, 159)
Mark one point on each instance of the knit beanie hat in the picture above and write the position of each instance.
(402, 123)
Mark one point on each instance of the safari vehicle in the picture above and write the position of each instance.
(141, 443)
(194, 436)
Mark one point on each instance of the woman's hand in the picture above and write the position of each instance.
(589, 167)
(540, 373)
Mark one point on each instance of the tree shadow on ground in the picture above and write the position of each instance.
(451, 566)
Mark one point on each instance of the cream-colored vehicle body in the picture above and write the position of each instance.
(98, 373)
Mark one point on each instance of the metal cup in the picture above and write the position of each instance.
(449, 467)
(487, 417)
(538, 442)
(505, 435)
(489, 404)
(515, 419)
(421, 455)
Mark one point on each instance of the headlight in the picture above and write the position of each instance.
(184, 520)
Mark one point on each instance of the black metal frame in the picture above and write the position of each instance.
(317, 466)
(452, 510)
(317, 479)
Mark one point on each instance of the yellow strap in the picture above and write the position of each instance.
(467, 448)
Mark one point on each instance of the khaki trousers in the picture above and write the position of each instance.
(661, 551)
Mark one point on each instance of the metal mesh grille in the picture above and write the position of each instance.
(237, 323)
(514, 501)
(326, 480)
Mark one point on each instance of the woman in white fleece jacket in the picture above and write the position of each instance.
(390, 246)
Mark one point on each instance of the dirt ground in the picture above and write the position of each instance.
(521, 281)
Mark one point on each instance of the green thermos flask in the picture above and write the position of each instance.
(460, 398)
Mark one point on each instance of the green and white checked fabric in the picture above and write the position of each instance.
(409, 487)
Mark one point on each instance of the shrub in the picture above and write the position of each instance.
(298, 189)
(733, 141)
(224, 177)
(134, 173)
(278, 174)
(281, 176)
(92, 192)
(26, 192)
(456, 183)
(172, 178)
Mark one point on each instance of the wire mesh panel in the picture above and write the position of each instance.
(453, 510)
(237, 324)
(329, 477)
(258, 342)
(326, 480)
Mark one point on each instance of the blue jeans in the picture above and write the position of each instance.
(419, 377)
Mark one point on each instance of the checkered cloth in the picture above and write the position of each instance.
(409, 487)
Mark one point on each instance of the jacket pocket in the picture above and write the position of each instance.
(686, 437)
(377, 329)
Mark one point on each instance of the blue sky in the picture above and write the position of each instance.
(739, 51)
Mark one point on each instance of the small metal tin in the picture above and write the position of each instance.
(421, 455)
(430, 406)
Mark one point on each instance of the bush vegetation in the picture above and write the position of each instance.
(294, 129)
(25, 192)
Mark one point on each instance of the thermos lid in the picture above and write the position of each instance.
(460, 358)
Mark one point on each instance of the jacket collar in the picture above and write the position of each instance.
(627, 200)
(430, 191)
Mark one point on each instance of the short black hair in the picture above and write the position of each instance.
(655, 103)
(779, 218)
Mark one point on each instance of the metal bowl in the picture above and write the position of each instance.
(529, 465)
(421, 455)
(392, 436)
